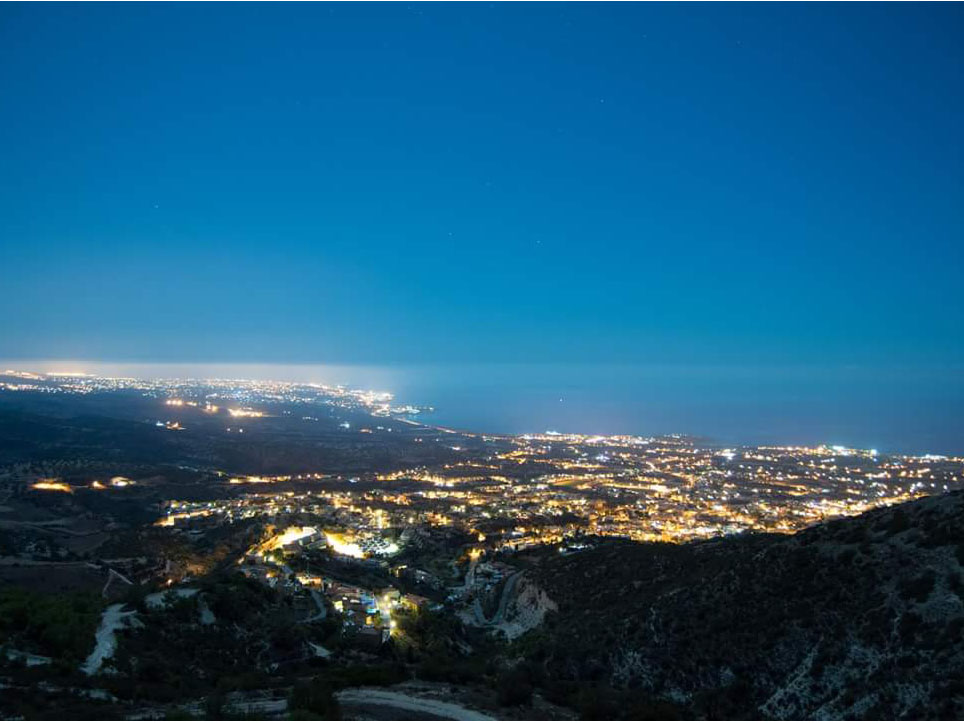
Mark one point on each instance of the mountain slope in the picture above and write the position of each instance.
(855, 618)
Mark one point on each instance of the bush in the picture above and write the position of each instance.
(314, 699)
(899, 522)
(919, 588)
(513, 688)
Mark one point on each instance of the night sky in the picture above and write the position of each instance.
(725, 184)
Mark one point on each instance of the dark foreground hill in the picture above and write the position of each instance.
(857, 618)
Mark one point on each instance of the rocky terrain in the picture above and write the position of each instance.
(856, 618)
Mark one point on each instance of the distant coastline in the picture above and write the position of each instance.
(913, 410)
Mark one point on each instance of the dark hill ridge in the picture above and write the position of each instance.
(855, 618)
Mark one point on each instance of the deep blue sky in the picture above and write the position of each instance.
(735, 184)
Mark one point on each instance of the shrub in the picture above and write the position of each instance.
(513, 687)
(316, 698)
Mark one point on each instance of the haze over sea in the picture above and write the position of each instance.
(898, 409)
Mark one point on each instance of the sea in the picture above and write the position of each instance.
(912, 410)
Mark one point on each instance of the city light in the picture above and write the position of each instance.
(51, 486)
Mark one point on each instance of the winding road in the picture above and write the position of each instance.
(508, 591)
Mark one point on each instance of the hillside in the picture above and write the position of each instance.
(856, 618)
